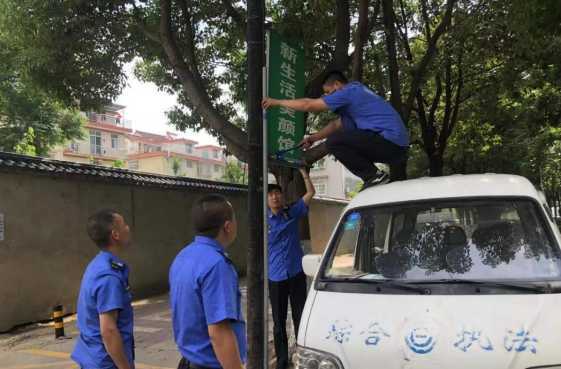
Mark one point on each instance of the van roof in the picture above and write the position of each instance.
(454, 186)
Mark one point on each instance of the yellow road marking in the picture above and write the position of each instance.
(55, 354)
(144, 366)
(65, 355)
(60, 364)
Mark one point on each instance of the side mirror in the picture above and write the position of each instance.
(310, 264)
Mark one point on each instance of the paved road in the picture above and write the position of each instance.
(34, 347)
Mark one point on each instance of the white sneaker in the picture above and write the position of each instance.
(380, 178)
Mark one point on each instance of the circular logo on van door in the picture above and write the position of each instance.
(420, 340)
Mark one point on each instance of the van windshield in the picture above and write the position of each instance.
(498, 239)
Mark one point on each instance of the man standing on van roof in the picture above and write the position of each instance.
(369, 129)
(105, 315)
(286, 277)
(208, 323)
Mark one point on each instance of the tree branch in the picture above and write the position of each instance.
(449, 127)
(447, 100)
(234, 137)
(343, 32)
(436, 100)
(360, 39)
(425, 15)
(427, 58)
(341, 57)
(236, 16)
(404, 33)
(142, 25)
(389, 28)
(190, 38)
(427, 127)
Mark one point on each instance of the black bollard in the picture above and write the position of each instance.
(59, 324)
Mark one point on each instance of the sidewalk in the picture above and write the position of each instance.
(34, 346)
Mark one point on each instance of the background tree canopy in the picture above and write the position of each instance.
(476, 81)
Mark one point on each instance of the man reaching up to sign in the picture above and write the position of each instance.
(368, 130)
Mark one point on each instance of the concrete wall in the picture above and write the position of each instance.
(324, 215)
(155, 165)
(45, 247)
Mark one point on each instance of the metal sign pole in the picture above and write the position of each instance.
(265, 212)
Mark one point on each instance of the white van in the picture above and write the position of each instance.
(450, 272)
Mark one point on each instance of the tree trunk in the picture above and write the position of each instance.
(436, 164)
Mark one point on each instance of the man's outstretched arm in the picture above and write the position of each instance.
(306, 105)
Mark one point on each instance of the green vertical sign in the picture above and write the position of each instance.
(285, 80)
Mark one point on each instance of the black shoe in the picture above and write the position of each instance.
(380, 178)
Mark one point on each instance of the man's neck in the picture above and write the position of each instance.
(114, 250)
(222, 241)
(275, 211)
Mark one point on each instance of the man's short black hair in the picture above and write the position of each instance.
(210, 213)
(100, 226)
(273, 187)
(335, 76)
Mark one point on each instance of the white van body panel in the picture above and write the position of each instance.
(502, 331)
(368, 331)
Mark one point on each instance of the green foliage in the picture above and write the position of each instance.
(235, 173)
(24, 109)
(506, 52)
(29, 116)
(26, 146)
(175, 165)
(355, 191)
(118, 164)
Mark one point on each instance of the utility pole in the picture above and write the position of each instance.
(256, 177)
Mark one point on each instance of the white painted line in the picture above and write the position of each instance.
(146, 329)
(158, 317)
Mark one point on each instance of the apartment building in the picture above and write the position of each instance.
(111, 141)
(332, 179)
(104, 142)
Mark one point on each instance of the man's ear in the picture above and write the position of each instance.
(228, 226)
(115, 235)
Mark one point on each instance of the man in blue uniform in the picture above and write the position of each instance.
(208, 323)
(105, 315)
(369, 129)
(286, 277)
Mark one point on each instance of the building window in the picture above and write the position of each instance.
(114, 142)
(103, 117)
(216, 168)
(204, 170)
(215, 154)
(133, 164)
(95, 142)
(188, 148)
(319, 165)
(188, 164)
(75, 147)
(205, 154)
(321, 188)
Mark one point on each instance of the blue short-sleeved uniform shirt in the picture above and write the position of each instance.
(105, 287)
(204, 290)
(361, 108)
(285, 251)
